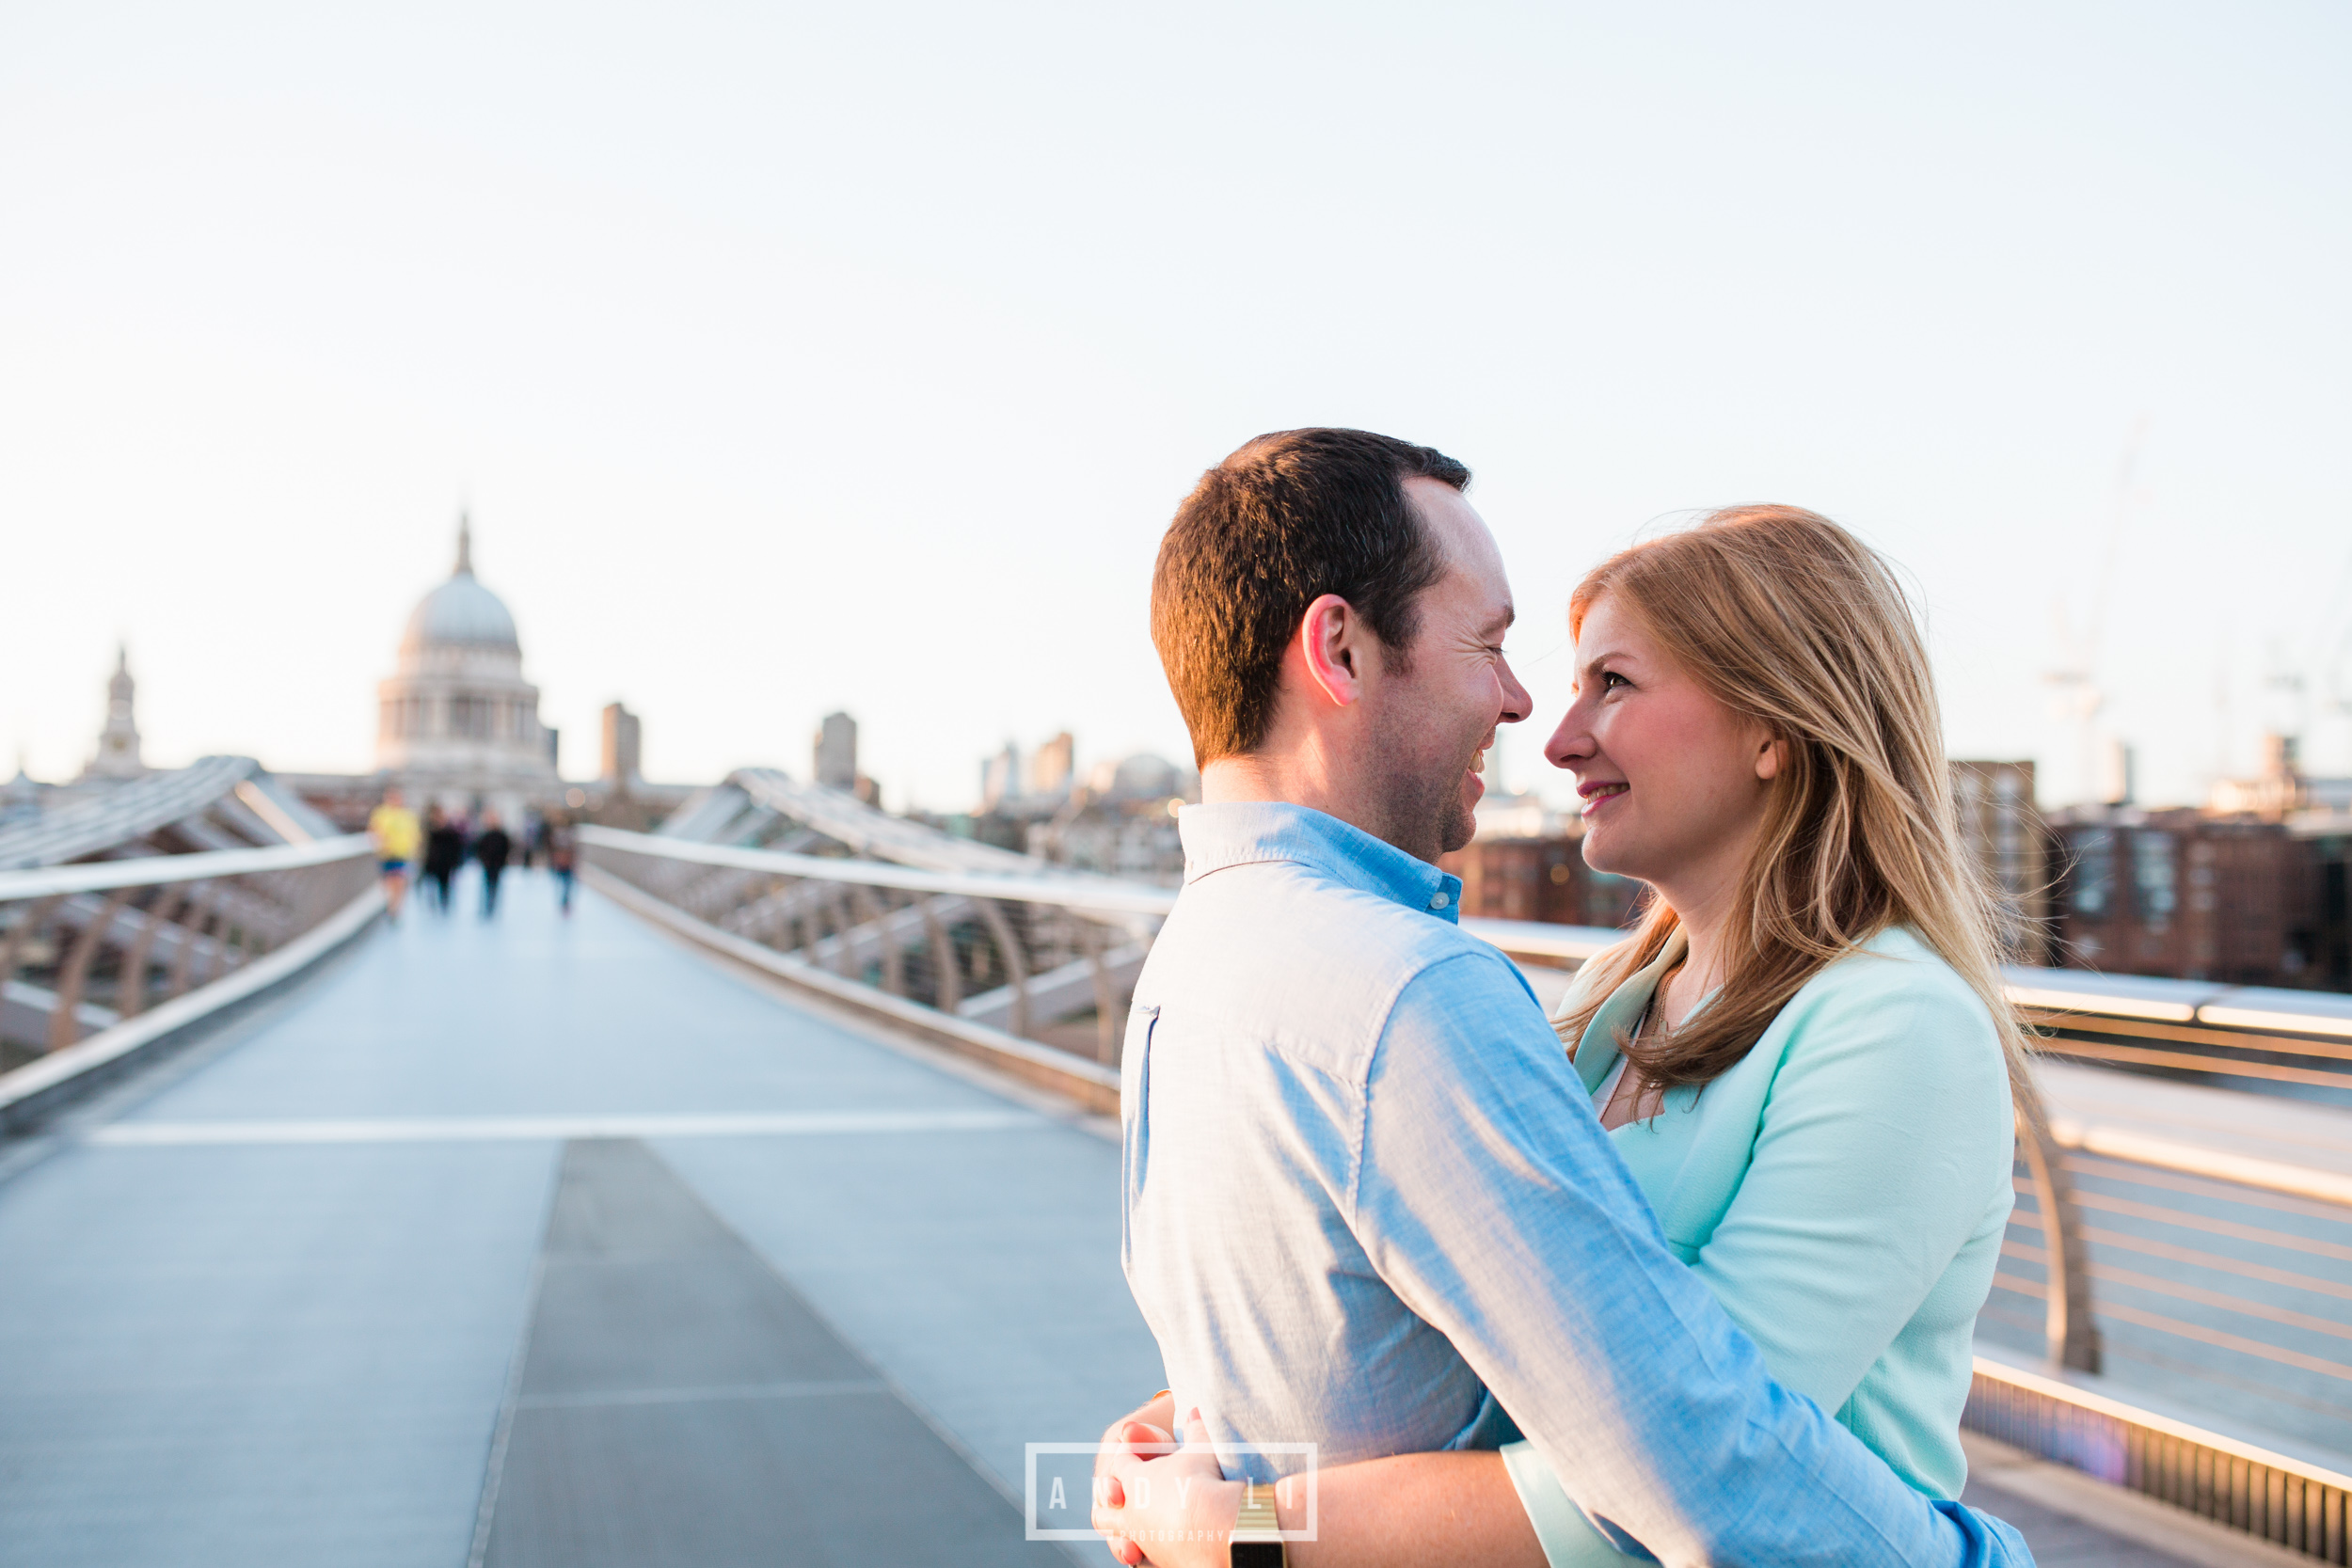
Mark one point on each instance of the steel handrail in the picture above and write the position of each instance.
(1100, 894)
(154, 870)
(2048, 991)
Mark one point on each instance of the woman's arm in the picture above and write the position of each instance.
(1884, 1140)
(1401, 1512)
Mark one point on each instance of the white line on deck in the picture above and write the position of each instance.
(698, 1396)
(420, 1129)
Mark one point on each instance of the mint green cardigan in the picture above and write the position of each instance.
(1842, 1191)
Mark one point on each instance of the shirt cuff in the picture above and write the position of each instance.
(1568, 1538)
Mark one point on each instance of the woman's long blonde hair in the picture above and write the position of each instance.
(1786, 619)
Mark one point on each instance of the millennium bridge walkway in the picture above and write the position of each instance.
(542, 1240)
(764, 1210)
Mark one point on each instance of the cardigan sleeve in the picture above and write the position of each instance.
(1885, 1133)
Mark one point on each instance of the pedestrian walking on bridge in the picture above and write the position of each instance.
(393, 827)
(444, 852)
(491, 848)
(563, 854)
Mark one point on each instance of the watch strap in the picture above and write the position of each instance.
(1257, 1539)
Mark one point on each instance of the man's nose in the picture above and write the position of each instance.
(1517, 704)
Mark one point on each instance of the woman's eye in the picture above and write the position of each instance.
(1610, 680)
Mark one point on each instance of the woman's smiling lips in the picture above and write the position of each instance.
(1599, 792)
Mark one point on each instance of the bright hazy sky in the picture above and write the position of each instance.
(794, 358)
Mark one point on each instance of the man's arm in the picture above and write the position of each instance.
(1490, 1200)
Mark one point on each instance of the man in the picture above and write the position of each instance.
(444, 852)
(1367, 1204)
(491, 848)
(394, 827)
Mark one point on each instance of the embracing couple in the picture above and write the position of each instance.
(1589, 1287)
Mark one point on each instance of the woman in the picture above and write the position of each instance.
(1802, 1052)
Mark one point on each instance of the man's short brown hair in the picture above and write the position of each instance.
(1289, 517)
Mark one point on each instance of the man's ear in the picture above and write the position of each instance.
(1332, 643)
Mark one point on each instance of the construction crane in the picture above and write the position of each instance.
(2076, 697)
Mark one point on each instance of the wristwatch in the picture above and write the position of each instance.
(1257, 1538)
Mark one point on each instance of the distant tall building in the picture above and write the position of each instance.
(2002, 830)
(621, 767)
(1052, 766)
(2279, 791)
(1000, 779)
(835, 762)
(118, 754)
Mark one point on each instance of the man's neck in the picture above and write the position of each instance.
(1297, 778)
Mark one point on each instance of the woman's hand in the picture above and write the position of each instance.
(1172, 1510)
(1145, 1431)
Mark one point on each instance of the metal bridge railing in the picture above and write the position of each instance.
(2226, 1279)
(982, 961)
(2227, 1275)
(87, 948)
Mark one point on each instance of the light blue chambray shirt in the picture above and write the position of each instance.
(1368, 1205)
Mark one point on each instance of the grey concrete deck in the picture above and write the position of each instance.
(281, 1310)
(550, 1241)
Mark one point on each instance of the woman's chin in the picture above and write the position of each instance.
(1601, 851)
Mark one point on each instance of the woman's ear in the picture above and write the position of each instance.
(1770, 758)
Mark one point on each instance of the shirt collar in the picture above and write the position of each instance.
(1244, 833)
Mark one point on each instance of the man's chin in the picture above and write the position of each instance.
(1459, 830)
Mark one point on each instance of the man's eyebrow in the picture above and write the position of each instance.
(1501, 622)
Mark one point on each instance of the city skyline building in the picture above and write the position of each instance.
(620, 761)
(833, 760)
(118, 754)
(458, 709)
(2001, 829)
(457, 723)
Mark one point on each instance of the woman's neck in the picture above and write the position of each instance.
(1704, 917)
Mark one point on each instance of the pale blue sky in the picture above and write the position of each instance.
(855, 356)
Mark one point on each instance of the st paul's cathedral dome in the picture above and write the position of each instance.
(458, 718)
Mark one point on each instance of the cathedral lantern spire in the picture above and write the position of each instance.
(119, 742)
(465, 547)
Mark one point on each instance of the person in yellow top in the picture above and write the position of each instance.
(393, 827)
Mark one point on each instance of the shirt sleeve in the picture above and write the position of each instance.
(1866, 1177)
(1489, 1199)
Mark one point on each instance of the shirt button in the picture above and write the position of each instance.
(1439, 899)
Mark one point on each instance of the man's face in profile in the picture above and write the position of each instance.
(1436, 715)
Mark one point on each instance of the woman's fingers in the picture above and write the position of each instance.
(1146, 1438)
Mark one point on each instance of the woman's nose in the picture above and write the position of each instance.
(1570, 744)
